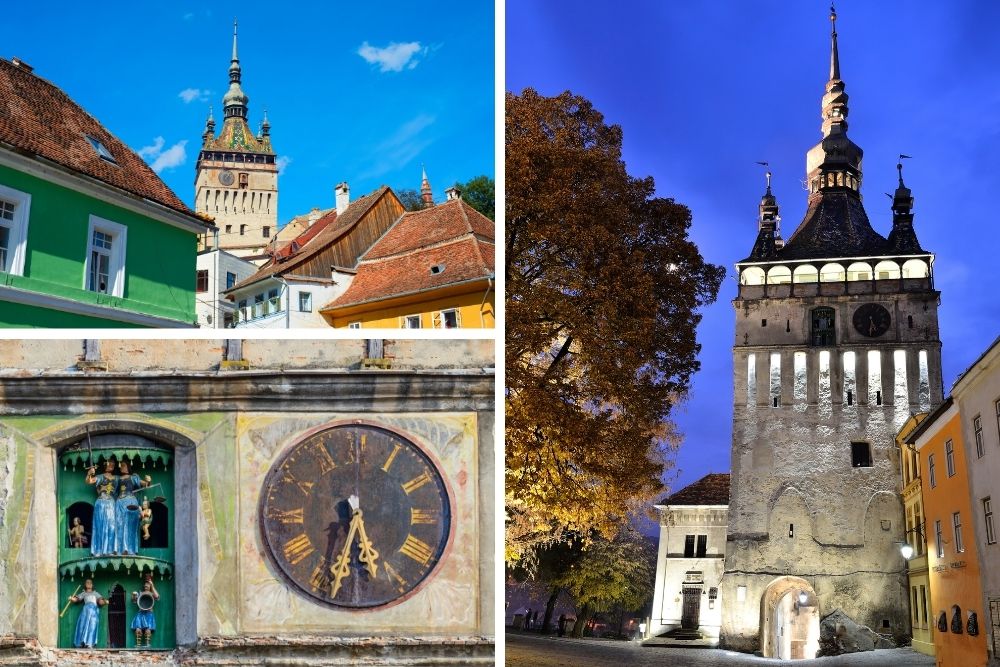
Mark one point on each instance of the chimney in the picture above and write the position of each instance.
(17, 62)
(343, 197)
(453, 193)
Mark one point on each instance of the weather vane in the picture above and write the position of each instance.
(767, 174)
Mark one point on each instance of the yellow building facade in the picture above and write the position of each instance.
(917, 572)
(952, 549)
(463, 306)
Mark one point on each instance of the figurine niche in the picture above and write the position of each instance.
(103, 533)
(77, 534)
(89, 619)
(144, 623)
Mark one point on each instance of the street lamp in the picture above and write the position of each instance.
(803, 598)
(906, 550)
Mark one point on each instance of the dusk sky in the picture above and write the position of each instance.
(357, 92)
(703, 90)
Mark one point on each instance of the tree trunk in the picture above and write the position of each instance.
(549, 608)
(621, 620)
(581, 620)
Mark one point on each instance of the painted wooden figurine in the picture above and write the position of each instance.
(146, 519)
(102, 534)
(89, 619)
(144, 623)
(77, 534)
(127, 510)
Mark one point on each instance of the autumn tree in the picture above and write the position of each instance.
(615, 573)
(479, 193)
(603, 288)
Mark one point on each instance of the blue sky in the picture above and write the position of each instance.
(362, 92)
(703, 90)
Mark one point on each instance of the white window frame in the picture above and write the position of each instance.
(18, 229)
(405, 321)
(116, 264)
(308, 304)
(439, 318)
(956, 524)
(354, 325)
(991, 536)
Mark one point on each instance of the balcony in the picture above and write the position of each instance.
(258, 311)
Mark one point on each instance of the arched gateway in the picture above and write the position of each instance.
(789, 619)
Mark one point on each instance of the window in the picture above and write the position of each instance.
(930, 471)
(702, 546)
(101, 149)
(949, 457)
(977, 427)
(997, 407)
(273, 302)
(354, 325)
(244, 179)
(991, 536)
(243, 230)
(689, 546)
(822, 327)
(938, 541)
(923, 606)
(104, 269)
(861, 455)
(956, 522)
(447, 319)
(411, 322)
(229, 229)
(202, 283)
(266, 231)
(230, 279)
(305, 302)
(14, 207)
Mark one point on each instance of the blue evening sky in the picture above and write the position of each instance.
(703, 90)
(355, 91)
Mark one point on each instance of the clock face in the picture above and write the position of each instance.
(355, 516)
(226, 177)
(871, 320)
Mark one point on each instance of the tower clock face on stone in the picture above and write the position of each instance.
(355, 516)
(871, 320)
(226, 177)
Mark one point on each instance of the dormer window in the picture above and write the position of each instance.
(437, 268)
(102, 150)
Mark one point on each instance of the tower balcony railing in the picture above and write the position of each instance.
(839, 288)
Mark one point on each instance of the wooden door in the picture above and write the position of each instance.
(692, 607)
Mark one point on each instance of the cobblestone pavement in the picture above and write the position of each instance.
(527, 651)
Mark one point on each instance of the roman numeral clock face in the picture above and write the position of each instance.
(355, 516)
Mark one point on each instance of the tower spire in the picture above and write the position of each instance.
(425, 189)
(834, 55)
(234, 102)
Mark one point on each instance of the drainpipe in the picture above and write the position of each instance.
(489, 286)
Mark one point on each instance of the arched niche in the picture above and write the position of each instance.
(83, 513)
(886, 270)
(779, 275)
(859, 271)
(805, 273)
(752, 275)
(831, 273)
(915, 268)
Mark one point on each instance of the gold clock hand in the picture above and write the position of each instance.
(368, 555)
(342, 567)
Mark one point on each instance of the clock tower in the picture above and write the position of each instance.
(836, 345)
(237, 178)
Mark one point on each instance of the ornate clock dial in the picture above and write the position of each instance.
(355, 516)
(871, 320)
(226, 177)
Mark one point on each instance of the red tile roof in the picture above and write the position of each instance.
(331, 231)
(452, 235)
(712, 489)
(39, 119)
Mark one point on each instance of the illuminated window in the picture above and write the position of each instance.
(949, 457)
(956, 520)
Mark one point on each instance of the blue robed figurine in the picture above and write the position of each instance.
(102, 538)
(144, 623)
(127, 510)
(89, 619)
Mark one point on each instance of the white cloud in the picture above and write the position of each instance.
(189, 95)
(174, 156)
(393, 58)
(188, 16)
(402, 147)
(282, 163)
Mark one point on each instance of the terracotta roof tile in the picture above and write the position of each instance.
(417, 229)
(336, 227)
(39, 119)
(465, 259)
(712, 489)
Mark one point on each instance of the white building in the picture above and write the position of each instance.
(289, 301)
(690, 562)
(218, 271)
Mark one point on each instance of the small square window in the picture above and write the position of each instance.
(354, 325)
(448, 319)
(411, 322)
(305, 302)
(229, 229)
(230, 279)
(266, 231)
(202, 282)
(101, 149)
(861, 455)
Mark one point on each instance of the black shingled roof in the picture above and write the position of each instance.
(712, 489)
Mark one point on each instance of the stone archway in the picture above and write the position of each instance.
(789, 619)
